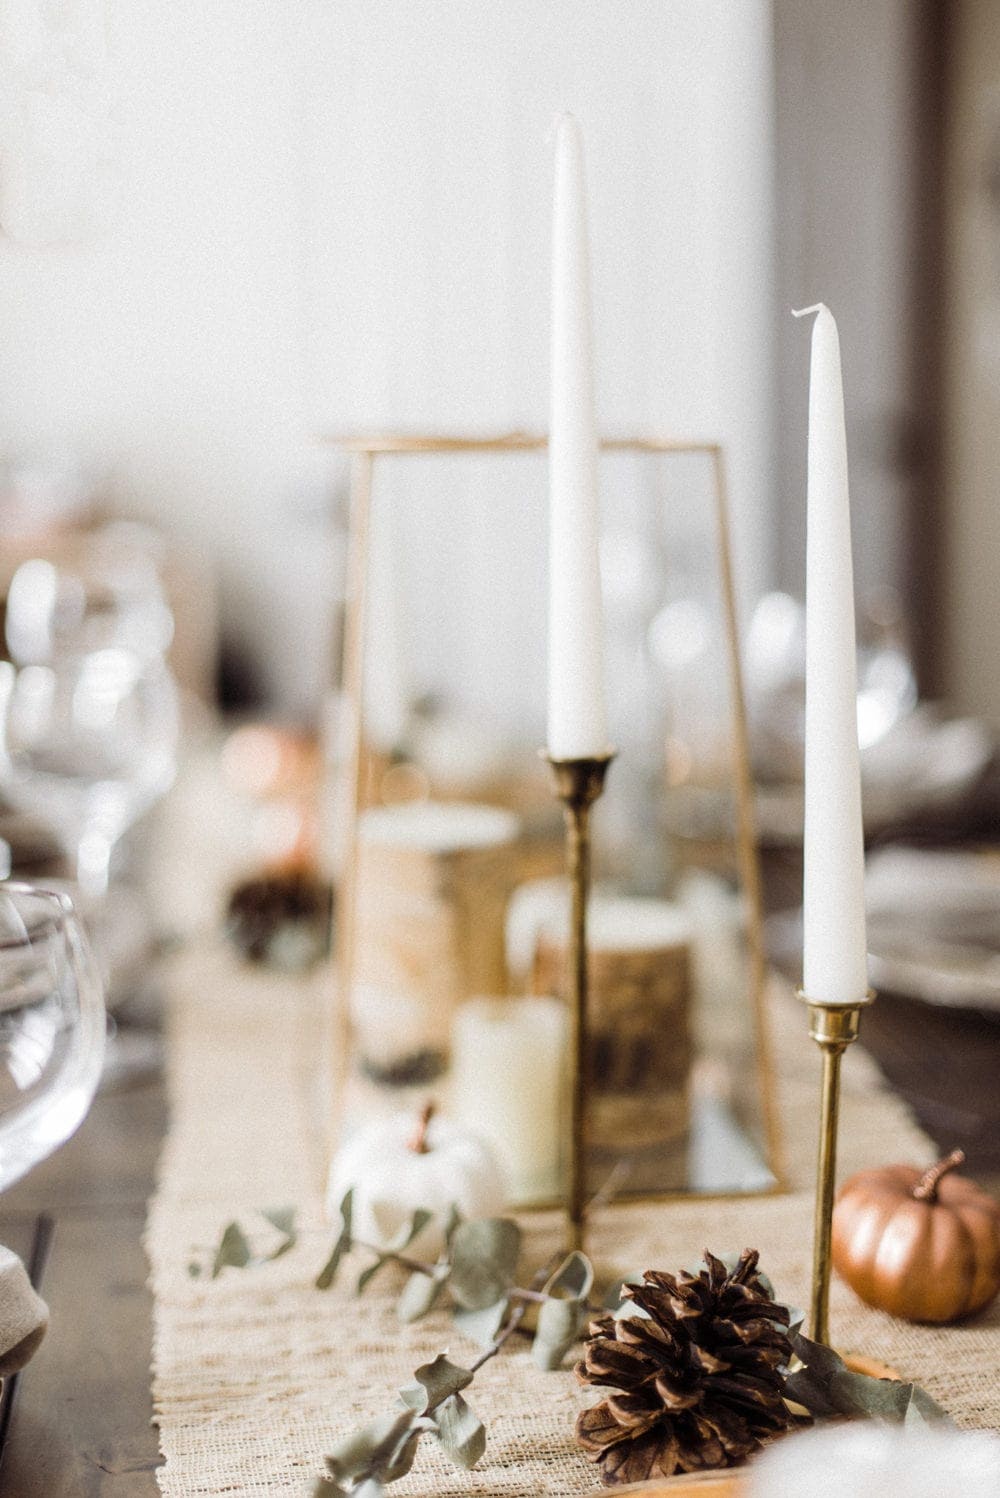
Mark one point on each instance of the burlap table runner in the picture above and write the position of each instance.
(257, 1373)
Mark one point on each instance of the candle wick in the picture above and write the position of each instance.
(805, 311)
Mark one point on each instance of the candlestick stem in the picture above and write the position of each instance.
(579, 782)
(833, 1027)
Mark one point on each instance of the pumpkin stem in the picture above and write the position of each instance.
(418, 1140)
(926, 1188)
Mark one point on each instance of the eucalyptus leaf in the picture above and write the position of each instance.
(343, 1245)
(562, 1314)
(828, 1389)
(369, 1488)
(923, 1410)
(409, 1231)
(282, 1218)
(402, 1459)
(367, 1275)
(233, 1251)
(574, 1278)
(483, 1260)
(419, 1294)
(482, 1326)
(460, 1432)
(366, 1451)
(452, 1221)
(435, 1382)
(559, 1324)
(327, 1488)
(283, 1248)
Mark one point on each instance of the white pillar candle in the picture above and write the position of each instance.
(509, 1059)
(577, 725)
(834, 957)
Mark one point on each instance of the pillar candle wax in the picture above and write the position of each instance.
(834, 958)
(509, 1059)
(577, 728)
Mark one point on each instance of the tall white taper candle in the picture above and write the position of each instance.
(834, 957)
(577, 724)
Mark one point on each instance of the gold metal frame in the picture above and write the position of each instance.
(363, 452)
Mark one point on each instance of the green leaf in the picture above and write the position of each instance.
(923, 1410)
(373, 1449)
(367, 1275)
(483, 1260)
(233, 1251)
(435, 1382)
(370, 1488)
(460, 1432)
(409, 1231)
(327, 1488)
(402, 1459)
(419, 1294)
(482, 1326)
(282, 1218)
(343, 1245)
(559, 1325)
(452, 1221)
(828, 1389)
(573, 1280)
(282, 1249)
(562, 1314)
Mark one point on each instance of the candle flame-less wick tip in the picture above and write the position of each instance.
(562, 120)
(807, 311)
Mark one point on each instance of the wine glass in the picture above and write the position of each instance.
(51, 1026)
(88, 744)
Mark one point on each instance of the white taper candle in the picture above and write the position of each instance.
(834, 956)
(577, 726)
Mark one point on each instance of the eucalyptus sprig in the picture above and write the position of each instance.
(477, 1265)
(234, 1249)
(477, 1268)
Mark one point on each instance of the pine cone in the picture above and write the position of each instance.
(696, 1381)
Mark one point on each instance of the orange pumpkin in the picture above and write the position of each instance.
(923, 1245)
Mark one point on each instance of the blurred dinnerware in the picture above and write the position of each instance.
(52, 1025)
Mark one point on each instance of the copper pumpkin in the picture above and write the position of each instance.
(923, 1245)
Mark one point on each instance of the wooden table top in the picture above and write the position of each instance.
(80, 1423)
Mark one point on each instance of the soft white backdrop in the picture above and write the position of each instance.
(334, 214)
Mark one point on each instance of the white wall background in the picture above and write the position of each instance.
(333, 214)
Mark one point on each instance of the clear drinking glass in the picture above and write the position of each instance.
(52, 1026)
(88, 744)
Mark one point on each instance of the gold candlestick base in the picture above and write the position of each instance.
(833, 1027)
(579, 782)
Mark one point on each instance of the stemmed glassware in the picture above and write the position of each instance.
(88, 711)
(51, 1026)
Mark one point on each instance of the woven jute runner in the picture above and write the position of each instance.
(256, 1374)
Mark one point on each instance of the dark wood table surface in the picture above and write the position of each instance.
(80, 1424)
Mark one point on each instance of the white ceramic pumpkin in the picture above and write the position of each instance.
(410, 1161)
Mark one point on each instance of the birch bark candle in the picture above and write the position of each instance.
(433, 881)
(640, 1053)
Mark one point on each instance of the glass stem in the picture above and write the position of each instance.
(93, 863)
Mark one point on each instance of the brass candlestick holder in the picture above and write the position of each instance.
(833, 1027)
(578, 783)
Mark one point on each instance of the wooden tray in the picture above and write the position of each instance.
(699, 1485)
